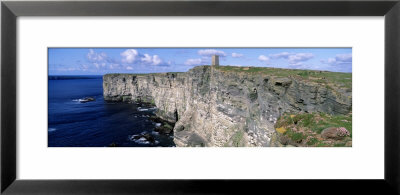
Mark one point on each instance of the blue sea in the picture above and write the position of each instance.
(96, 123)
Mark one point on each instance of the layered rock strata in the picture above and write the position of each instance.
(212, 107)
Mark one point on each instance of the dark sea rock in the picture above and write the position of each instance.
(164, 126)
(146, 137)
(86, 99)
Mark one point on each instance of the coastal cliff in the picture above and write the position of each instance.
(232, 106)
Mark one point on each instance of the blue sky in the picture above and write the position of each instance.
(99, 61)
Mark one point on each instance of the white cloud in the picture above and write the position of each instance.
(113, 66)
(280, 55)
(129, 68)
(98, 61)
(129, 56)
(339, 59)
(263, 58)
(156, 60)
(96, 57)
(347, 57)
(210, 52)
(147, 58)
(237, 55)
(296, 59)
(152, 60)
(192, 62)
(330, 60)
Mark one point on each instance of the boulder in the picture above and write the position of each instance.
(164, 129)
(334, 133)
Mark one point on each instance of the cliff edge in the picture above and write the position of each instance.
(232, 106)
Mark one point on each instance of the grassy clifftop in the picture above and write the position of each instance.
(333, 79)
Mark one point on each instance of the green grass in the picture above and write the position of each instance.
(312, 141)
(139, 74)
(337, 78)
(317, 122)
(237, 138)
(339, 145)
(322, 144)
(308, 126)
(295, 136)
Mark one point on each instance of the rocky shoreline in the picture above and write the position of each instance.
(217, 106)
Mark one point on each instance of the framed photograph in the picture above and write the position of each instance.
(199, 96)
(206, 97)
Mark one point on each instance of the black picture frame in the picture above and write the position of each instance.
(10, 10)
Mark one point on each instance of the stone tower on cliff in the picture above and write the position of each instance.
(215, 60)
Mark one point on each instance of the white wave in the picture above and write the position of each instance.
(141, 140)
(52, 129)
(132, 137)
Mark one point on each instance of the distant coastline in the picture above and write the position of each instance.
(69, 77)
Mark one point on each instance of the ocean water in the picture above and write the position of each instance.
(97, 123)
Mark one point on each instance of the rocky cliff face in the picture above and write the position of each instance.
(213, 107)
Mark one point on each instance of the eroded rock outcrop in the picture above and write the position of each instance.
(214, 107)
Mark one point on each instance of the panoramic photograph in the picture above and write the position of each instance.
(199, 97)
